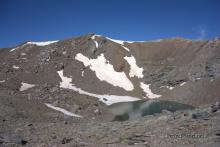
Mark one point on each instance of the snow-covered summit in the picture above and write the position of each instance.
(121, 42)
(42, 43)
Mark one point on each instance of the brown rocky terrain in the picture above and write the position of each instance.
(57, 93)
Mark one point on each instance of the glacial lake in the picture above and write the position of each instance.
(132, 110)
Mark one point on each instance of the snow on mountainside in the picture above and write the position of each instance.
(105, 67)
(42, 43)
(134, 69)
(107, 99)
(63, 111)
(36, 43)
(105, 71)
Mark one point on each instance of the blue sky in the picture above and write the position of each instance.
(41, 20)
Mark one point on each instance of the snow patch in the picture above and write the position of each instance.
(105, 71)
(83, 73)
(96, 44)
(16, 48)
(96, 110)
(168, 87)
(15, 67)
(93, 37)
(182, 83)
(121, 41)
(62, 110)
(42, 43)
(2, 81)
(116, 41)
(13, 49)
(25, 86)
(64, 52)
(107, 99)
(198, 79)
(127, 49)
(80, 57)
(147, 90)
(134, 69)
(23, 54)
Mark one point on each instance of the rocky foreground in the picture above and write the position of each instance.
(28, 122)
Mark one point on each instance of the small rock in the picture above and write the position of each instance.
(23, 142)
(54, 137)
(28, 125)
(105, 99)
(96, 111)
(194, 116)
(54, 89)
(198, 115)
(138, 135)
(96, 104)
(215, 107)
(64, 52)
(59, 66)
(214, 110)
(66, 140)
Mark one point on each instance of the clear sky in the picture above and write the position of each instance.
(42, 20)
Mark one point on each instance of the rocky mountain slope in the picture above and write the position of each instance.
(55, 85)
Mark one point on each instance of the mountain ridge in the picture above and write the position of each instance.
(153, 40)
(75, 91)
(157, 61)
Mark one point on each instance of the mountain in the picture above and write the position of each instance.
(111, 70)
(79, 78)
